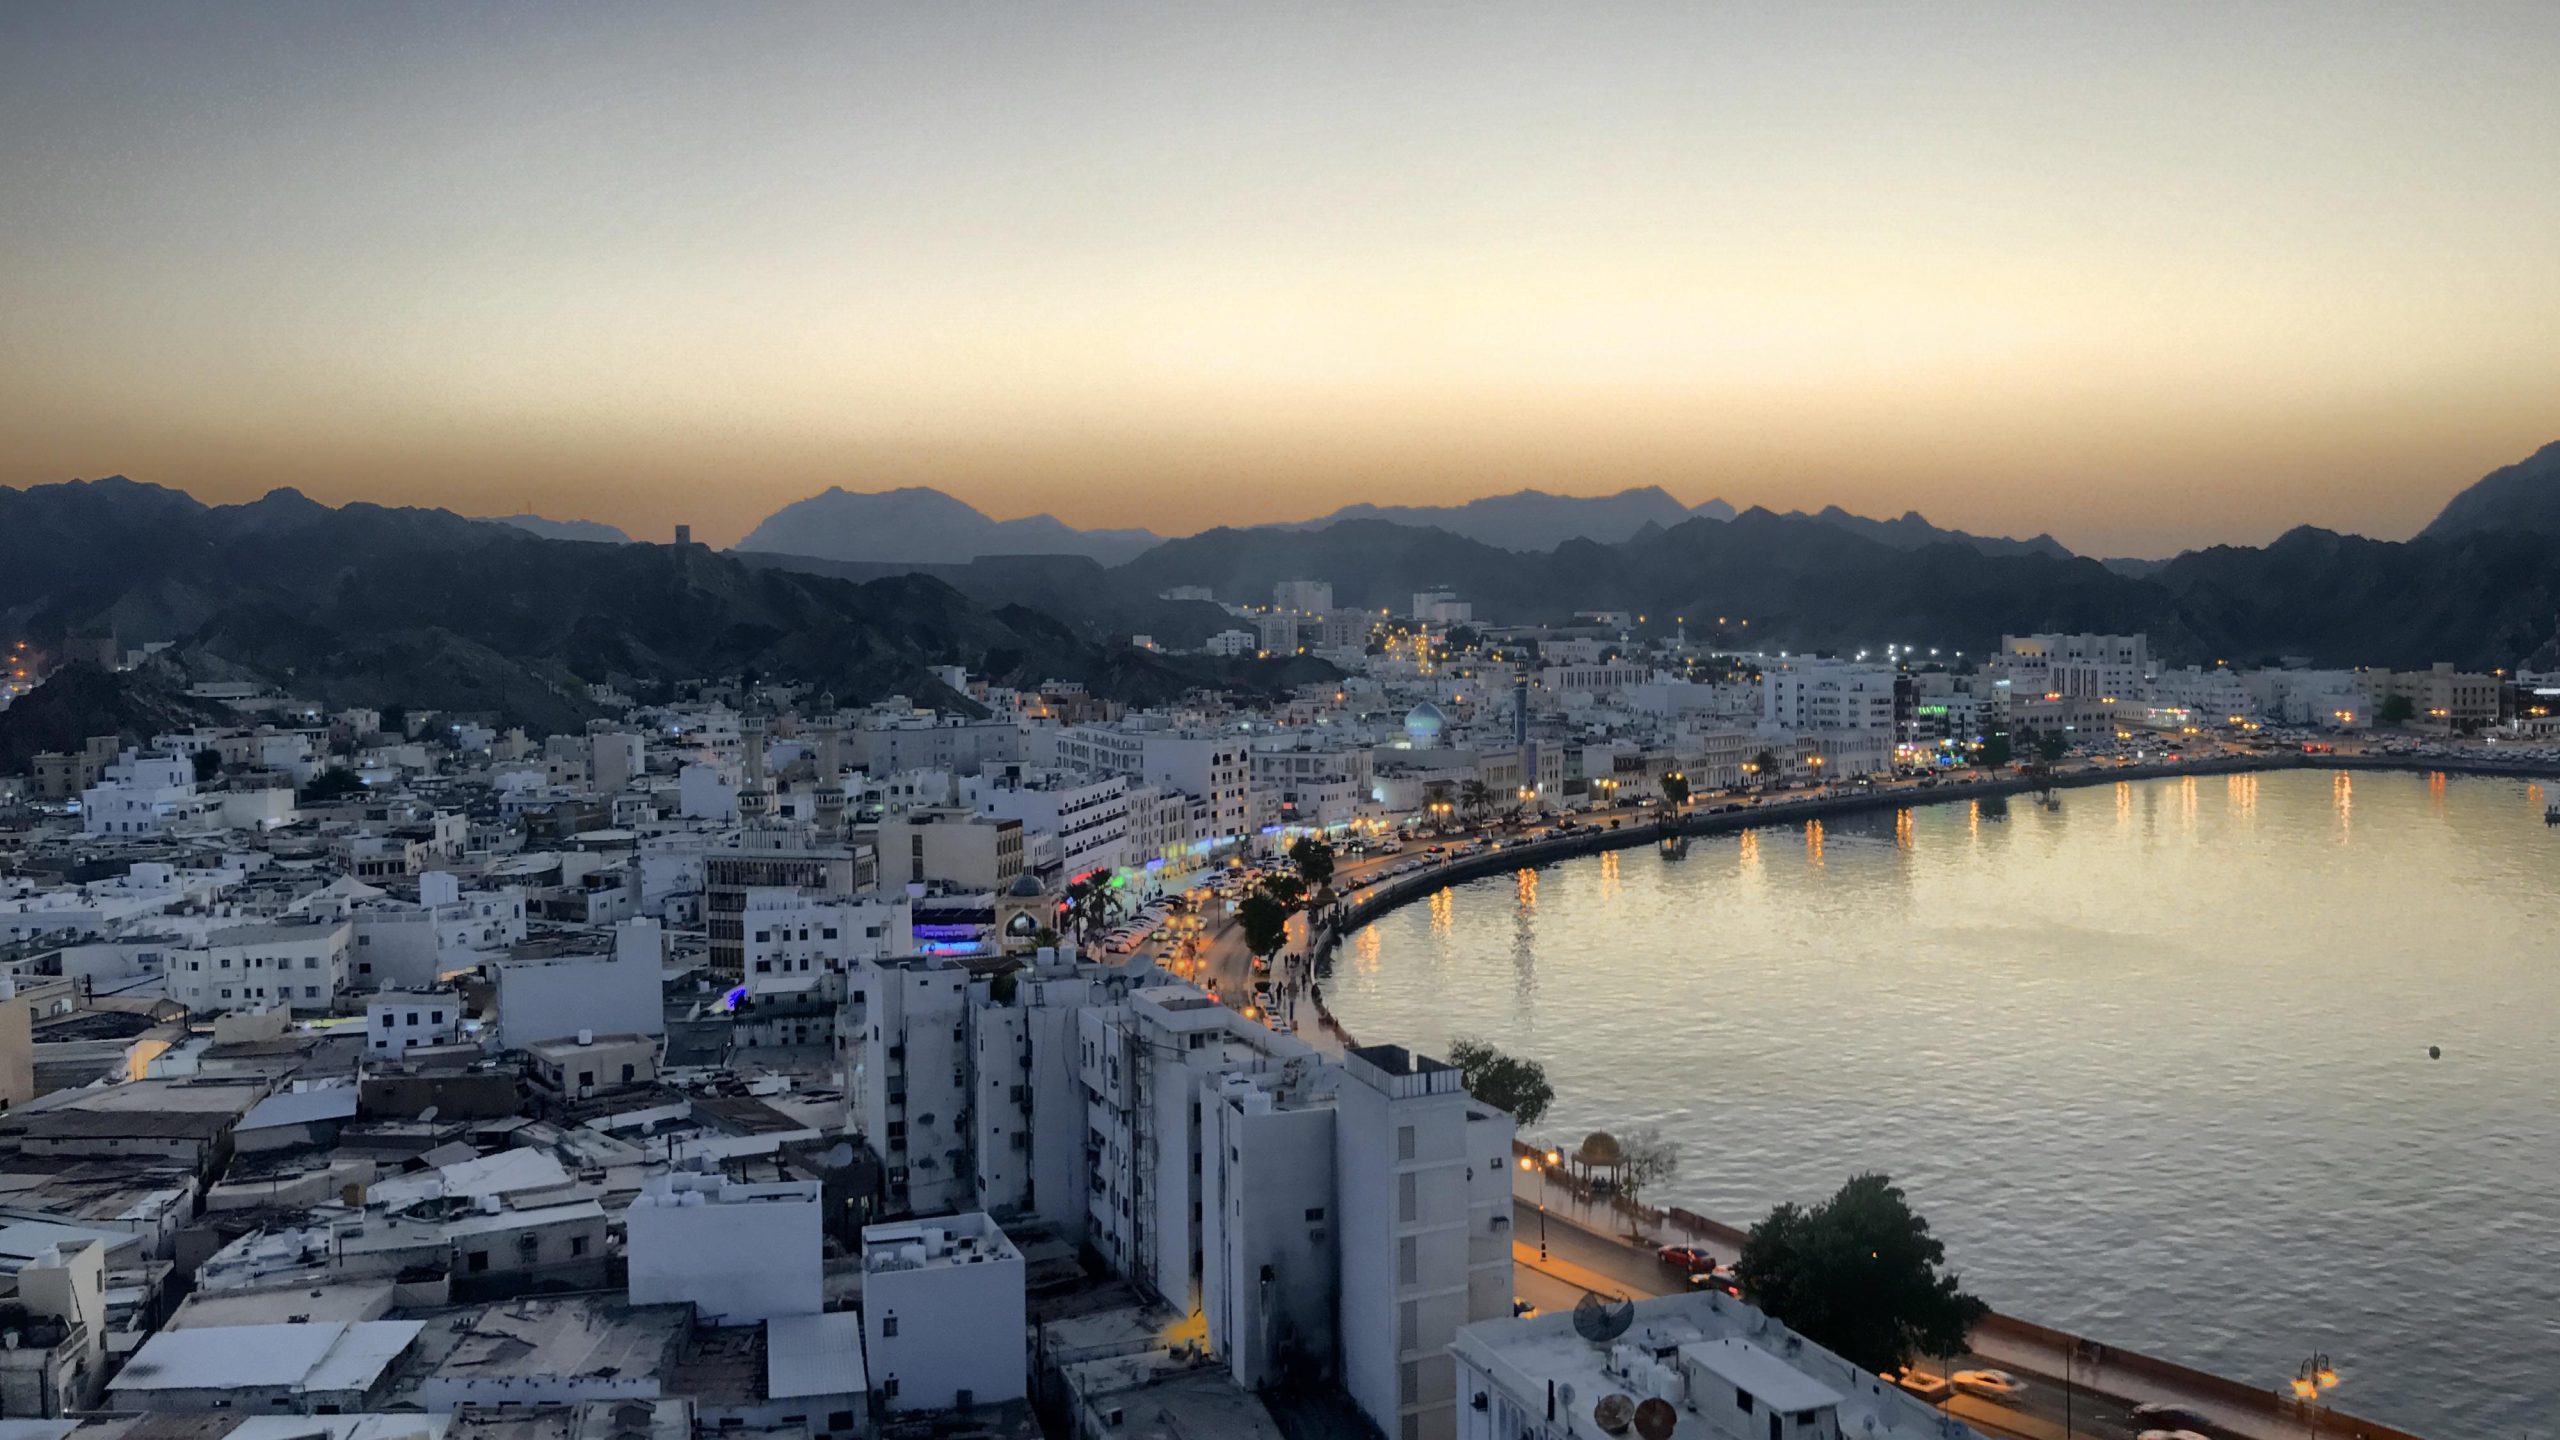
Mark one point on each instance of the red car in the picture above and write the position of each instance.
(1687, 1259)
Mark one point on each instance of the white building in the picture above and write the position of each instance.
(1441, 607)
(792, 933)
(1814, 696)
(1028, 1118)
(616, 991)
(1146, 1065)
(737, 1253)
(301, 964)
(2100, 667)
(912, 1091)
(943, 1320)
(401, 1020)
(1729, 1372)
(1083, 819)
(1423, 1176)
(1213, 766)
(146, 795)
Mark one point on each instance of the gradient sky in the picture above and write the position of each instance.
(2146, 275)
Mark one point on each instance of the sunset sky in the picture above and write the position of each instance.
(2145, 276)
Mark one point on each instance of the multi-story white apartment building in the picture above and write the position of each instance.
(1146, 1065)
(1316, 784)
(146, 795)
(954, 848)
(1813, 696)
(2116, 667)
(1075, 823)
(912, 1095)
(1028, 1120)
(297, 963)
(795, 934)
(961, 746)
(1423, 1176)
(396, 1021)
(1213, 766)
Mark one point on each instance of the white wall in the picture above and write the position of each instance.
(737, 1253)
(957, 1326)
(609, 994)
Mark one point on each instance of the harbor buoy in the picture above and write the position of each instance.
(2435, 1052)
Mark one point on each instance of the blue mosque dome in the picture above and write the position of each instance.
(1424, 724)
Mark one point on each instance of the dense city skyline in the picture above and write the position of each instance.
(2144, 279)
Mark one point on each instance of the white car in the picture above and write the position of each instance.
(1989, 1384)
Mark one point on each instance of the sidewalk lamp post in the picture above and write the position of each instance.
(2316, 1378)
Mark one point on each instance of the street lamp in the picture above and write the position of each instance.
(2315, 1378)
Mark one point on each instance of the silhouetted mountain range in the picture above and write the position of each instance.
(590, 530)
(1536, 520)
(919, 526)
(371, 605)
(923, 526)
(2522, 496)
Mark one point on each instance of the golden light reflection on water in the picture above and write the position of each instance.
(1905, 830)
(1973, 820)
(2225, 1029)
(1444, 910)
(1813, 843)
(1608, 875)
(2187, 804)
(1365, 948)
(1524, 886)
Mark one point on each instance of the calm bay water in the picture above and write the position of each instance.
(2153, 1062)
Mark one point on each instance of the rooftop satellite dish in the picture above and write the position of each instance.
(1564, 1393)
(1601, 1321)
(1655, 1420)
(428, 1115)
(1613, 1412)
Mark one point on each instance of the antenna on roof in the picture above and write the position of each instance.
(1601, 1321)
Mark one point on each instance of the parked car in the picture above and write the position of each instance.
(2162, 1414)
(1932, 1388)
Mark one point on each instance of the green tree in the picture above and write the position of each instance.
(1314, 861)
(1859, 1273)
(208, 763)
(2051, 746)
(1996, 750)
(1675, 788)
(1264, 915)
(1519, 1086)
(1475, 797)
(331, 784)
(2396, 710)
(1765, 766)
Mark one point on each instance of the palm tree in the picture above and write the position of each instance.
(1475, 797)
(1092, 908)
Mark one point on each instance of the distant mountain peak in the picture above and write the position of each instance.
(921, 525)
(2522, 496)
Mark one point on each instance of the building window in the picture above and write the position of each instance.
(1404, 1142)
(888, 1327)
(477, 1262)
